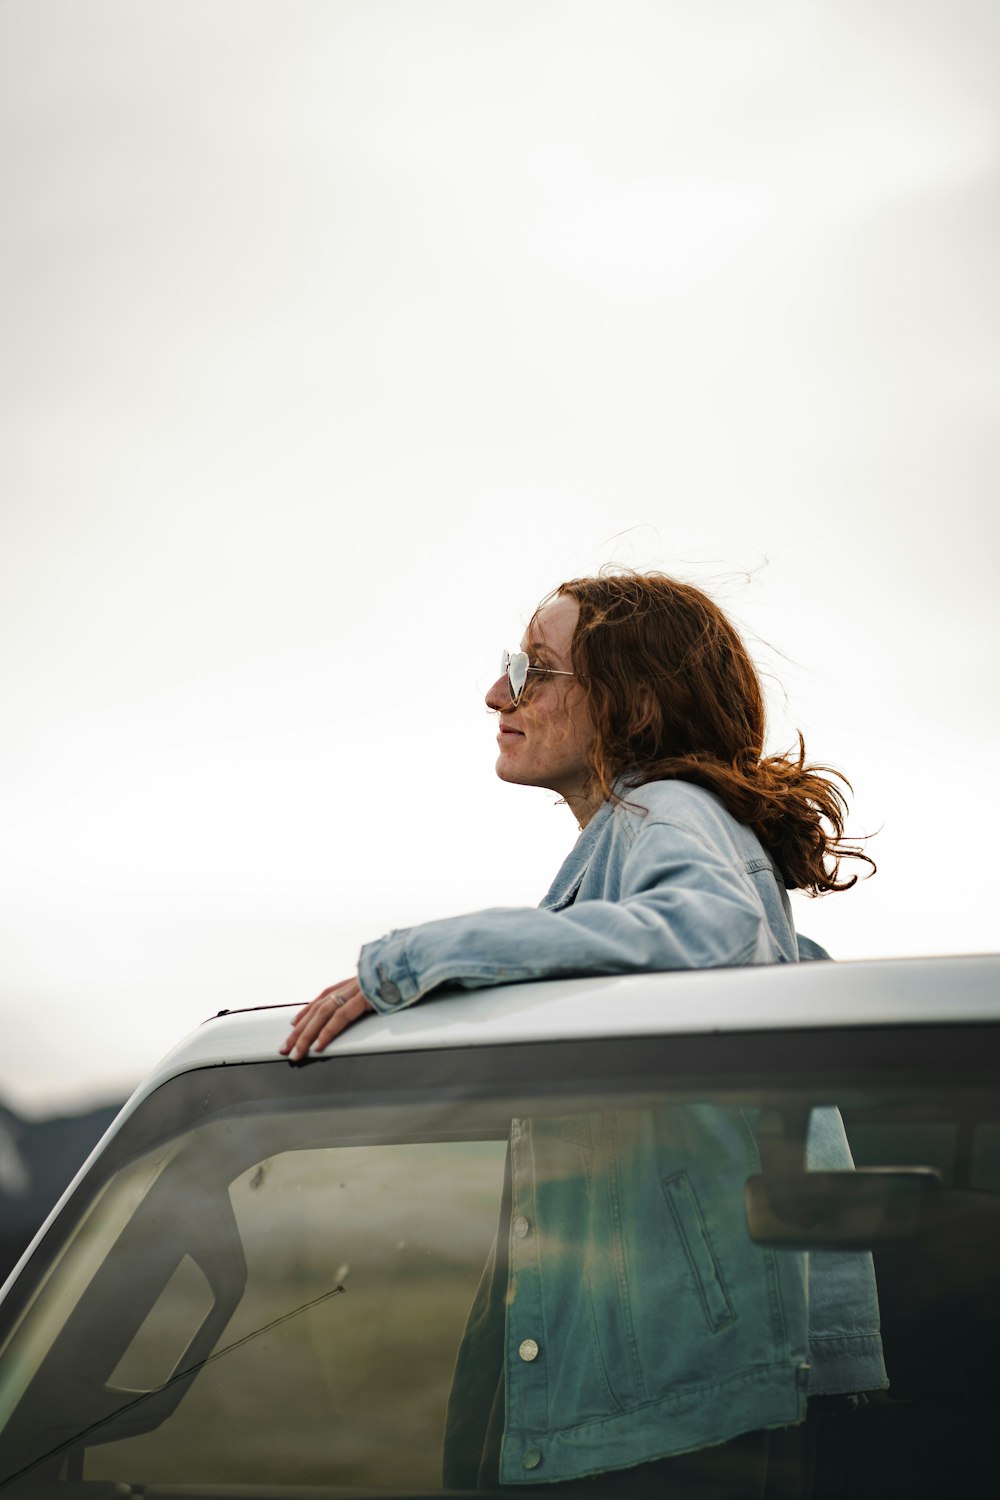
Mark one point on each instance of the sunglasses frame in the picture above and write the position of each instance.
(515, 666)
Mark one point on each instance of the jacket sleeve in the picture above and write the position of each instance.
(682, 905)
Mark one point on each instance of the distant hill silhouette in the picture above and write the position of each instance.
(37, 1160)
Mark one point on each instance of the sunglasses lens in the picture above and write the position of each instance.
(516, 667)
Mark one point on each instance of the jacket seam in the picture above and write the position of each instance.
(778, 1323)
(748, 1374)
(862, 1335)
(621, 1260)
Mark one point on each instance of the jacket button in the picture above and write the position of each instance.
(528, 1350)
(530, 1458)
(390, 992)
(521, 1226)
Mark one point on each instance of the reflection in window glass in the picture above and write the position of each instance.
(309, 1289)
(984, 1171)
(405, 1231)
(167, 1331)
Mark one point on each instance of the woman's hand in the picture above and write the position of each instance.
(327, 1016)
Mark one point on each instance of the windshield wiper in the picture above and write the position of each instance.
(186, 1374)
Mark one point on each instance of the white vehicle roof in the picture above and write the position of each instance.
(912, 991)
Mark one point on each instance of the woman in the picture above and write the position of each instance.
(634, 699)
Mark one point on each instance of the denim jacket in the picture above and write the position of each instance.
(682, 886)
(641, 1321)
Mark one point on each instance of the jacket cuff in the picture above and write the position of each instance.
(843, 1364)
(384, 974)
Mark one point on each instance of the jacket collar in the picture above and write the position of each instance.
(567, 882)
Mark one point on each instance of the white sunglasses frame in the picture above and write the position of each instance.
(514, 665)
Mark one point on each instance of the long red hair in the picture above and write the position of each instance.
(674, 695)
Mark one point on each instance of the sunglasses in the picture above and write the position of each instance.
(514, 666)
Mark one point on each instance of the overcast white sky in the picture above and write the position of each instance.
(333, 333)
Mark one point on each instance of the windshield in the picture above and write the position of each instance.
(287, 1278)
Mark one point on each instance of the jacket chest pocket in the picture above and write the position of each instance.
(702, 1260)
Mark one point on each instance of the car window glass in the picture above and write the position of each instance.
(166, 1332)
(290, 1290)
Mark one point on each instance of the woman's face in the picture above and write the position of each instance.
(545, 738)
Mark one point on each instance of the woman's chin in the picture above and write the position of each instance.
(506, 769)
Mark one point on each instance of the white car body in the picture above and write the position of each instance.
(744, 1031)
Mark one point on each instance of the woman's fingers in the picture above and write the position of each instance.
(324, 1018)
(311, 1020)
(321, 996)
(344, 1015)
(321, 1021)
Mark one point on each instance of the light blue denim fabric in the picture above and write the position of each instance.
(660, 1326)
(683, 886)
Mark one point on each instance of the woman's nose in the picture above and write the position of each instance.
(498, 698)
